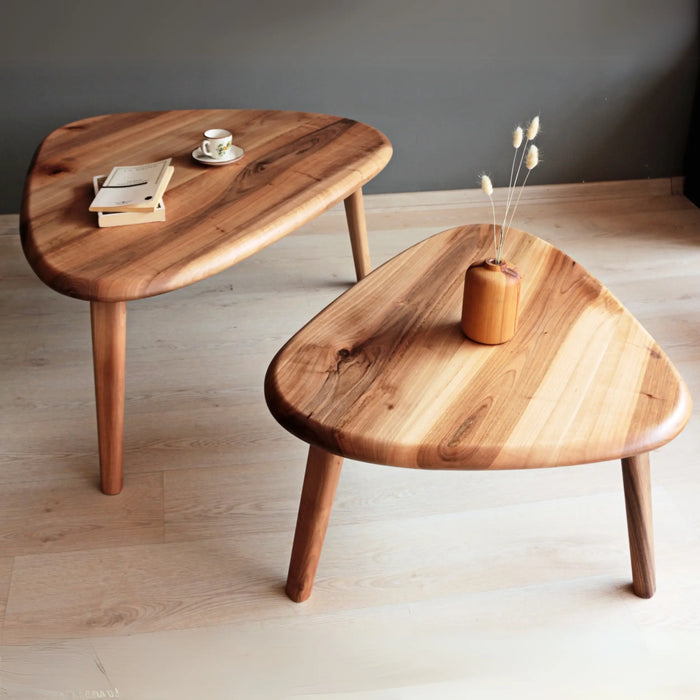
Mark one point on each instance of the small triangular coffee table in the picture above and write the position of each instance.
(385, 375)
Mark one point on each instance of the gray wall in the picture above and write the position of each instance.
(446, 80)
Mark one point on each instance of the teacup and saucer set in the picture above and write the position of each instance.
(217, 148)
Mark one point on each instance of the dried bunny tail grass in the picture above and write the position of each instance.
(533, 158)
(517, 142)
(530, 157)
(517, 137)
(533, 128)
(487, 189)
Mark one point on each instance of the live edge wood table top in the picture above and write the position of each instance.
(385, 375)
(295, 166)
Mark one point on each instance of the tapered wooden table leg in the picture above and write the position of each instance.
(355, 213)
(108, 353)
(318, 492)
(637, 483)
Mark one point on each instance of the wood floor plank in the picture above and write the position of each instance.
(57, 669)
(209, 503)
(328, 655)
(124, 590)
(71, 514)
(136, 589)
(5, 573)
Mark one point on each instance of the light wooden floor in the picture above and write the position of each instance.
(431, 584)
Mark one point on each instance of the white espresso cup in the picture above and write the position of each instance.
(217, 144)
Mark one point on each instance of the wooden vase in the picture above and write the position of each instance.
(490, 303)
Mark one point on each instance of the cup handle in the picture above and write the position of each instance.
(205, 149)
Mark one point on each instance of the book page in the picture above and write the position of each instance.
(132, 175)
(131, 187)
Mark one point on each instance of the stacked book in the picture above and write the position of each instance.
(131, 194)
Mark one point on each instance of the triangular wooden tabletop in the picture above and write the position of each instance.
(296, 165)
(385, 375)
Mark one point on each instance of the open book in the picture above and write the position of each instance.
(133, 187)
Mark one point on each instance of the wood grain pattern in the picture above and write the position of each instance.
(296, 165)
(490, 302)
(385, 375)
(355, 212)
(318, 492)
(5, 573)
(108, 352)
(70, 514)
(637, 484)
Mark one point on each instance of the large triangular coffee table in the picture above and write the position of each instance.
(295, 165)
(385, 375)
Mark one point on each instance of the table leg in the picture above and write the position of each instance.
(355, 214)
(317, 494)
(108, 354)
(637, 484)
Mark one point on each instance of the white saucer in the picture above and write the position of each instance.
(201, 157)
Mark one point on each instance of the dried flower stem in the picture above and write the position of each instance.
(533, 158)
(517, 140)
(511, 185)
(487, 188)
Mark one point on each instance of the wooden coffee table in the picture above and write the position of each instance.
(296, 165)
(385, 375)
